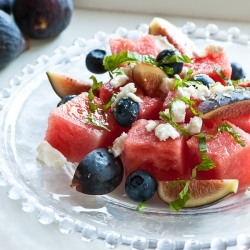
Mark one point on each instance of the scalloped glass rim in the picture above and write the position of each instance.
(106, 217)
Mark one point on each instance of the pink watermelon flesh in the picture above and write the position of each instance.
(242, 122)
(150, 108)
(144, 46)
(165, 160)
(232, 161)
(69, 132)
(206, 65)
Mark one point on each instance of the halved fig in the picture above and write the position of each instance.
(225, 105)
(175, 36)
(65, 85)
(203, 192)
(148, 77)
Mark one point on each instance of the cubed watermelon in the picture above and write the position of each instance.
(165, 160)
(70, 133)
(232, 161)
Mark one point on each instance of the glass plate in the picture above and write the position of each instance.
(24, 110)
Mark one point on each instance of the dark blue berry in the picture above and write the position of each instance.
(98, 173)
(204, 79)
(237, 71)
(66, 99)
(6, 6)
(140, 186)
(126, 111)
(94, 61)
(176, 66)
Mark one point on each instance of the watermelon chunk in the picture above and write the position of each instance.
(232, 161)
(150, 108)
(206, 65)
(165, 160)
(242, 121)
(144, 46)
(69, 132)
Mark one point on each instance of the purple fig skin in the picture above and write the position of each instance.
(12, 43)
(40, 19)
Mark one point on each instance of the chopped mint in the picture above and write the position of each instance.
(206, 163)
(108, 103)
(237, 137)
(140, 207)
(174, 59)
(184, 196)
(92, 106)
(186, 81)
(174, 124)
(92, 120)
(116, 60)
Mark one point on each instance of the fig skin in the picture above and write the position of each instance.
(40, 19)
(6, 6)
(12, 43)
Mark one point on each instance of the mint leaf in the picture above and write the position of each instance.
(237, 137)
(174, 59)
(141, 206)
(184, 196)
(92, 106)
(108, 103)
(175, 125)
(95, 122)
(206, 163)
(116, 60)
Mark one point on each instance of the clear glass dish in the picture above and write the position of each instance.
(24, 110)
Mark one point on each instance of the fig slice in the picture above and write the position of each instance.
(64, 85)
(225, 105)
(174, 35)
(203, 192)
(148, 77)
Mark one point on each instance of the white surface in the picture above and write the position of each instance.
(20, 230)
(222, 9)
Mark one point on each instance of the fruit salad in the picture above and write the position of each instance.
(172, 120)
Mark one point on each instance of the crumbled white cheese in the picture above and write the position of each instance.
(202, 92)
(49, 156)
(182, 92)
(119, 81)
(178, 111)
(164, 131)
(194, 125)
(128, 90)
(118, 145)
(218, 88)
(214, 50)
(167, 84)
(151, 125)
(162, 43)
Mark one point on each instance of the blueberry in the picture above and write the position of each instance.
(204, 79)
(66, 99)
(98, 173)
(126, 111)
(140, 186)
(237, 71)
(176, 66)
(94, 61)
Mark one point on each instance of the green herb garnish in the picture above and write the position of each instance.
(164, 117)
(141, 206)
(184, 196)
(237, 137)
(223, 77)
(116, 60)
(206, 163)
(174, 59)
(92, 120)
(108, 103)
(92, 106)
